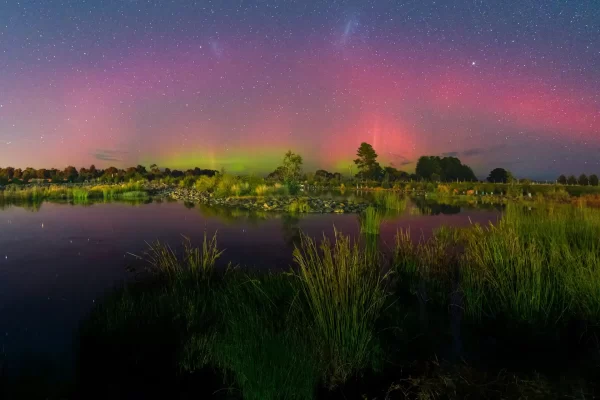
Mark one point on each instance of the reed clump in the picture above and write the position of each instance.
(370, 221)
(344, 291)
(199, 262)
(539, 266)
(299, 205)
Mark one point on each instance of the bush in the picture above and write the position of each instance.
(205, 183)
(293, 187)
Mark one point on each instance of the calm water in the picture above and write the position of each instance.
(58, 260)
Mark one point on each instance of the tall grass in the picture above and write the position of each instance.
(199, 262)
(79, 194)
(427, 267)
(535, 266)
(299, 205)
(390, 201)
(262, 342)
(370, 221)
(344, 289)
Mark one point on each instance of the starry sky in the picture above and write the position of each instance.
(234, 84)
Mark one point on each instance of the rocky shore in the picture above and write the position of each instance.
(281, 203)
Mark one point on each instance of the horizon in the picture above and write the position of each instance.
(235, 85)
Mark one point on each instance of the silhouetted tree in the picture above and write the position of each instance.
(499, 175)
(562, 180)
(571, 180)
(70, 173)
(366, 162)
(583, 180)
(594, 180)
(434, 168)
(427, 166)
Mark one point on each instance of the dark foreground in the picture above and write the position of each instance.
(510, 311)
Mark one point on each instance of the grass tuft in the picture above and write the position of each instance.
(344, 290)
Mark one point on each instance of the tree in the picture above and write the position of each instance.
(562, 180)
(395, 174)
(452, 169)
(292, 167)
(583, 180)
(594, 180)
(42, 173)
(28, 174)
(277, 175)
(571, 180)
(155, 170)
(8, 172)
(499, 175)
(427, 166)
(368, 167)
(70, 173)
(445, 169)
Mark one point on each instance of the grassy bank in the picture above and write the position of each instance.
(77, 194)
(509, 307)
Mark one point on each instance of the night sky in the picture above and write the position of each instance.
(234, 84)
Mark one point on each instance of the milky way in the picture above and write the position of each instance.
(234, 84)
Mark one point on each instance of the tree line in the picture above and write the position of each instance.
(583, 180)
(109, 175)
(428, 168)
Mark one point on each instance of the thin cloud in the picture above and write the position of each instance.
(108, 155)
(473, 152)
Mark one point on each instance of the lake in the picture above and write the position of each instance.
(58, 260)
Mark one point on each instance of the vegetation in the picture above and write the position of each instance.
(345, 293)
(78, 194)
(500, 175)
(431, 173)
(338, 319)
(368, 167)
(370, 221)
(538, 267)
(443, 169)
(299, 205)
(390, 201)
(343, 323)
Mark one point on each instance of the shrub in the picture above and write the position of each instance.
(299, 205)
(205, 183)
(262, 190)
